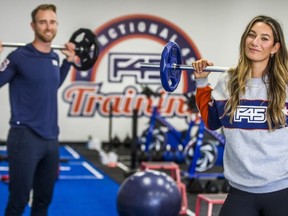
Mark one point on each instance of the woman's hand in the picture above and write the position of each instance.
(199, 67)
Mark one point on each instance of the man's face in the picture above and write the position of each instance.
(45, 25)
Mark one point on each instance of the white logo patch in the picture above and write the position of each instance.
(253, 114)
(54, 62)
(4, 65)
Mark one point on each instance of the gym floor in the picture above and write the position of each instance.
(91, 188)
(119, 175)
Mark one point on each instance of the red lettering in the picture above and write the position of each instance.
(86, 100)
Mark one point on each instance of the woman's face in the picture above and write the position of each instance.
(260, 43)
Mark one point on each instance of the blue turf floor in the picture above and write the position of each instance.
(81, 189)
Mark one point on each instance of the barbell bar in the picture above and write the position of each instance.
(183, 67)
(171, 66)
(86, 48)
(53, 46)
(13, 44)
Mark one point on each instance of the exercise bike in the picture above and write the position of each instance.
(162, 141)
(199, 148)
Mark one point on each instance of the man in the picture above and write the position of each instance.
(34, 75)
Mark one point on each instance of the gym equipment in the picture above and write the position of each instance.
(199, 153)
(87, 48)
(115, 142)
(211, 187)
(201, 148)
(209, 201)
(204, 151)
(171, 66)
(194, 186)
(160, 133)
(174, 171)
(150, 193)
(127, 141)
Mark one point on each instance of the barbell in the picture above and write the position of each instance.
(86, 48)
(171, 66)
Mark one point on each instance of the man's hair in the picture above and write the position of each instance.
(42, 7)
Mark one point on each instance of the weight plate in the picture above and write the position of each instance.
(87, 48)
(170, 77)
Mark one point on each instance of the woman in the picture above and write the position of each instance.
(250, 103)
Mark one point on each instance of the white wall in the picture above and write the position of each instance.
(214, 26)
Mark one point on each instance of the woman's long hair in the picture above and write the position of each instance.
(277, 72)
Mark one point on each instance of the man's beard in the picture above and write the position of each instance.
(45, 38)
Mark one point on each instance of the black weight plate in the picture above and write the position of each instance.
(87, 48)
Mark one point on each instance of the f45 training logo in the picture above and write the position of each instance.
(252, 114)
(123, 46)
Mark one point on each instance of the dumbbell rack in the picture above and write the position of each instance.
(175, 174)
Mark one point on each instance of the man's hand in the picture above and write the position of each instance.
(1, 47)
(69, 52)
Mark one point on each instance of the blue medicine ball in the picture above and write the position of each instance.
(149, 193)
